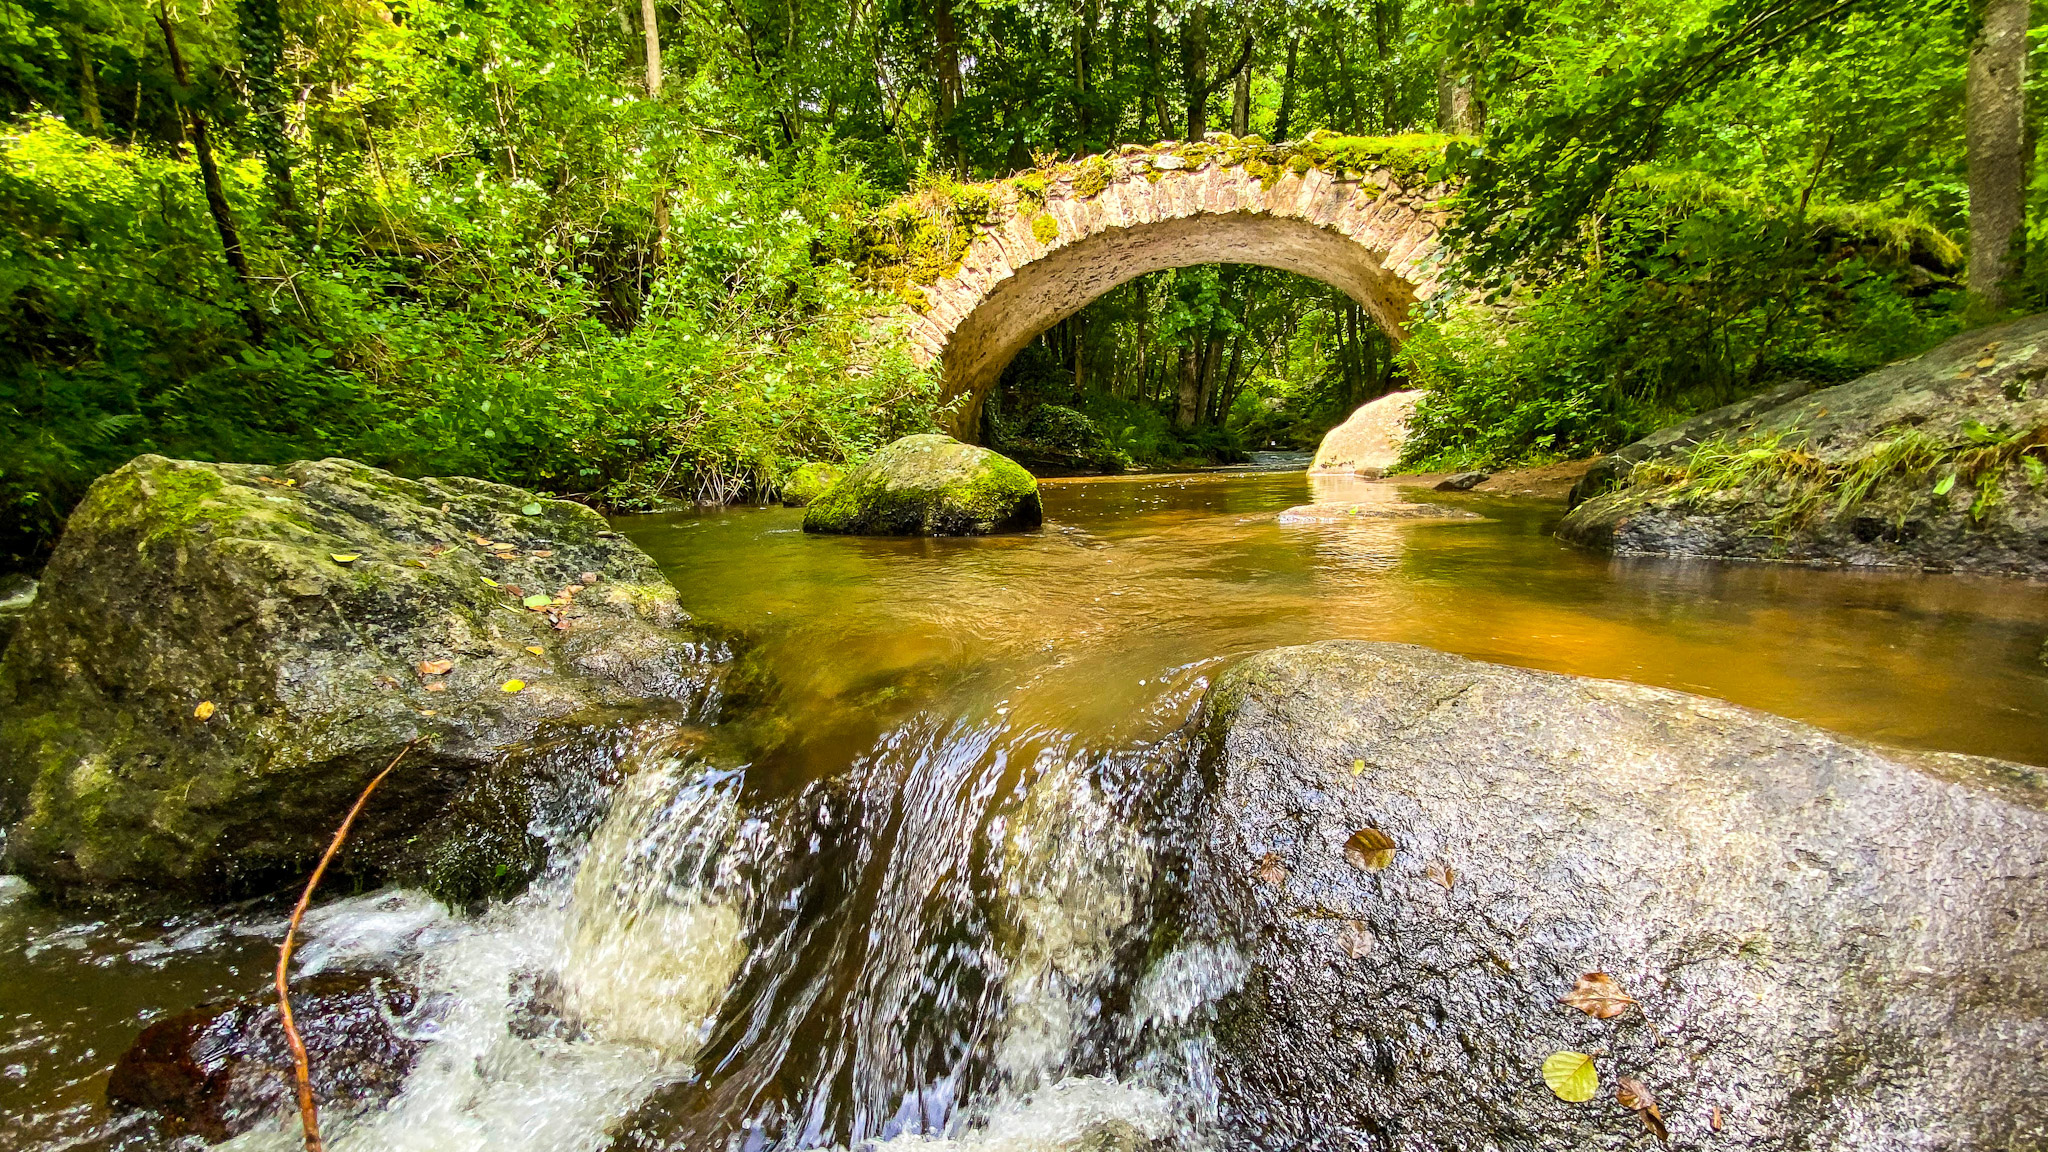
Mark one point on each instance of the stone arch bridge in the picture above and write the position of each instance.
(988, 267)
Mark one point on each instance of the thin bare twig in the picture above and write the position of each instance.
(309, 1113)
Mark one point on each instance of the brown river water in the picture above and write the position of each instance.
(950, 685)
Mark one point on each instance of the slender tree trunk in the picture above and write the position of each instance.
(1190, 392)
(1194, 70)
(88, 81)
(1286, 118)
(209, 176)
(650, 27)
(948, 66)
(1241, 104)
(261, 27)
(1152, 55)
(1995, 132)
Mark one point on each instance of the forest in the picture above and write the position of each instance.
(609, 249)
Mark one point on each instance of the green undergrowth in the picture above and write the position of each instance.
(1804, 490)
(923, 236)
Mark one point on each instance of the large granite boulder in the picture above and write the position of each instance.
(1369, 441)
(1937, 462)
(222, 655)
(807, 482)
(929, 485)
(1825, 945)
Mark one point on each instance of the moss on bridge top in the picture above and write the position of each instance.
(923, 237)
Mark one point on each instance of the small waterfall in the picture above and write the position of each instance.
(953, 944)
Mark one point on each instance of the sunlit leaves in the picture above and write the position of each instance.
(204, 711)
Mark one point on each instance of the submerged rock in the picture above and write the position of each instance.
(1463, 481)
(1937, 462)
(808, 482)
(224, 1068)
(1336, 513)
(1827, 945)
(929, 485)
(1369, 440)
(223, 655)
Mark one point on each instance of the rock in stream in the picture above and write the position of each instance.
(222, 655)
(929, 485)
(1829, 946)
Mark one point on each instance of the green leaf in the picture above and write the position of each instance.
(2037, 472)
(531, 509)
(537, 600)
(1945, 485)
(1572, 1076)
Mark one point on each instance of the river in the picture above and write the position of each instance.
(908, 906)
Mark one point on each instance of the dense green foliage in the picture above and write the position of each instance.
(494, 237)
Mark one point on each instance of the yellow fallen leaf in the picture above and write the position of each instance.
(488, 580)
(344, 557)
(204, 711)
(543, 553)
(1357, 766)
(1369, 849)
(1987, 362)
(438, 686)
(536, 649)
(513, 685)
(1572, 1076)
(436, 667)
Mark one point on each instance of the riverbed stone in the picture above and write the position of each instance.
(1950, 447)
(1828, 945)
(1369, 441)
(929, 485)
(224, 1068)
(222, 655)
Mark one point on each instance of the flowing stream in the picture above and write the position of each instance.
(912, 897)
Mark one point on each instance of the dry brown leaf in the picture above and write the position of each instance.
(438, 686)
(1442, 873)
(204, 711)
(515, 590)
(1356, 939)
(1636, 1096)
(544, 553)
(1271, 870)
(1369, 849)
(436, 667)
(588, 577)
(1597, 995)
(1715, 1121)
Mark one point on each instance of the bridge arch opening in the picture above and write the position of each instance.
(1043, 292)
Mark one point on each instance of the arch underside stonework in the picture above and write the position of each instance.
(1367, 236)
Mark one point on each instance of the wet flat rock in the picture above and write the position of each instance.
(1826, 945)
(1349, 513)
(223, 1068)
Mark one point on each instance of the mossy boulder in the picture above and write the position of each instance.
(222, 655)
(1939, 462)
(929, 485)
(809, 482)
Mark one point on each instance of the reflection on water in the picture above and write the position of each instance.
(912, 900)
(1135, 577)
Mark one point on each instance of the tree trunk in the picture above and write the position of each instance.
(1194, 70)
(948, 67)
(650, 27)
(88, 81)
(261, 27)
(1241, 104)
(209, 176)
(1457, 113)
(1995, 133)
(1286, 118)
(1190, 393)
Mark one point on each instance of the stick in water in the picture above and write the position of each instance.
(309, 1113)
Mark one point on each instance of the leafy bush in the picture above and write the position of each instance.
(1687, 296)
